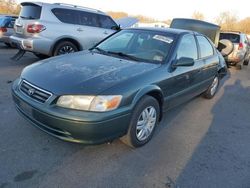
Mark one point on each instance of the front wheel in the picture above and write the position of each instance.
(65, 47)
(144, 119)
(211, 91)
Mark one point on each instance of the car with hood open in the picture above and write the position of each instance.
(119, 88)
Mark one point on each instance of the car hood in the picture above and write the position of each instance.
(83, 73)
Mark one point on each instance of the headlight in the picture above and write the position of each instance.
(90, 103)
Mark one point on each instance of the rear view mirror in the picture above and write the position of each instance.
(184, 62)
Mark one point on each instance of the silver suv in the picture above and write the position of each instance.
(240, 54)
(54, 29)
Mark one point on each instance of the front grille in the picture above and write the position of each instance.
(34, 92)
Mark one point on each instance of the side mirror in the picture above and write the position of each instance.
(184, 62)
(116, 27)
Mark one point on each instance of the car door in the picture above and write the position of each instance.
(183, 78)
(210, 60)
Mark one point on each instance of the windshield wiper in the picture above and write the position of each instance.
(99, 50)
(124, 55)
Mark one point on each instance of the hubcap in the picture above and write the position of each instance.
(66, 50)
(146, 123)
(214, 85)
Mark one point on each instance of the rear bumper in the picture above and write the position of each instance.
(90, 128)
(33, 44)
(236, 58)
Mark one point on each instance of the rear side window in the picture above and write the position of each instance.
(206, 48)
(88, 19)
(65, 15)
(76, 17)
(30, 11)
(187, 47)
(106, 22)
(234, 38)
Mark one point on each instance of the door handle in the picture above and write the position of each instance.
(105, 33)
(80, 29)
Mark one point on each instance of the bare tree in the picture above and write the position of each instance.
(227, 21)
(244, 25)
(198, 15)
(9, 7)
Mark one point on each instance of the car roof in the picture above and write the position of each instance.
(66, 5)
(167, 30)
(8, 16)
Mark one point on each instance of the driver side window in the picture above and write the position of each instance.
(187, 47)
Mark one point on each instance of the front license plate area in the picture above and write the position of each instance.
(26, 108)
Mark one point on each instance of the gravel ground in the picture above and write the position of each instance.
(200, 144)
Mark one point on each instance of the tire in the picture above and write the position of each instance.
(65, 47)
(141, 132)
(246, 61)
(211, 91)
(7, 44)
(238, 66)
(41, 56)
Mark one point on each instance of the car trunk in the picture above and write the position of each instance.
(210, 30)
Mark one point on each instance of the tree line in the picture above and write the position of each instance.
(9, 7)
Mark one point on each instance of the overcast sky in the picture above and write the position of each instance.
(167, 9)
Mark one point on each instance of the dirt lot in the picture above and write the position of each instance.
(203, 143)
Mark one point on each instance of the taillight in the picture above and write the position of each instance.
(240, 46)
(3, 29)
(35, 28)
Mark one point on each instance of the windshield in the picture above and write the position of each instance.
(143, 45)
(30, 11)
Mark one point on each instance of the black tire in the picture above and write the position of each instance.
(146, 103)
(65, 47)
(238, 66)
(211, 91)
(7, 44)
(246, 61)
(41, 56)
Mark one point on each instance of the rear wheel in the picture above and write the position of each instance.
(246, 61)
(7, 44)
(211, 91)
(65, 47)
(144, 119)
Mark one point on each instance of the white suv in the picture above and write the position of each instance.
(54, 29)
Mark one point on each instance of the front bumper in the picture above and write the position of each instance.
(32, 44)
(90, 128)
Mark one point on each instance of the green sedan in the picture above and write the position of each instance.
(120, 88)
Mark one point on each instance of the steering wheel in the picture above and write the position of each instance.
(159, 52)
